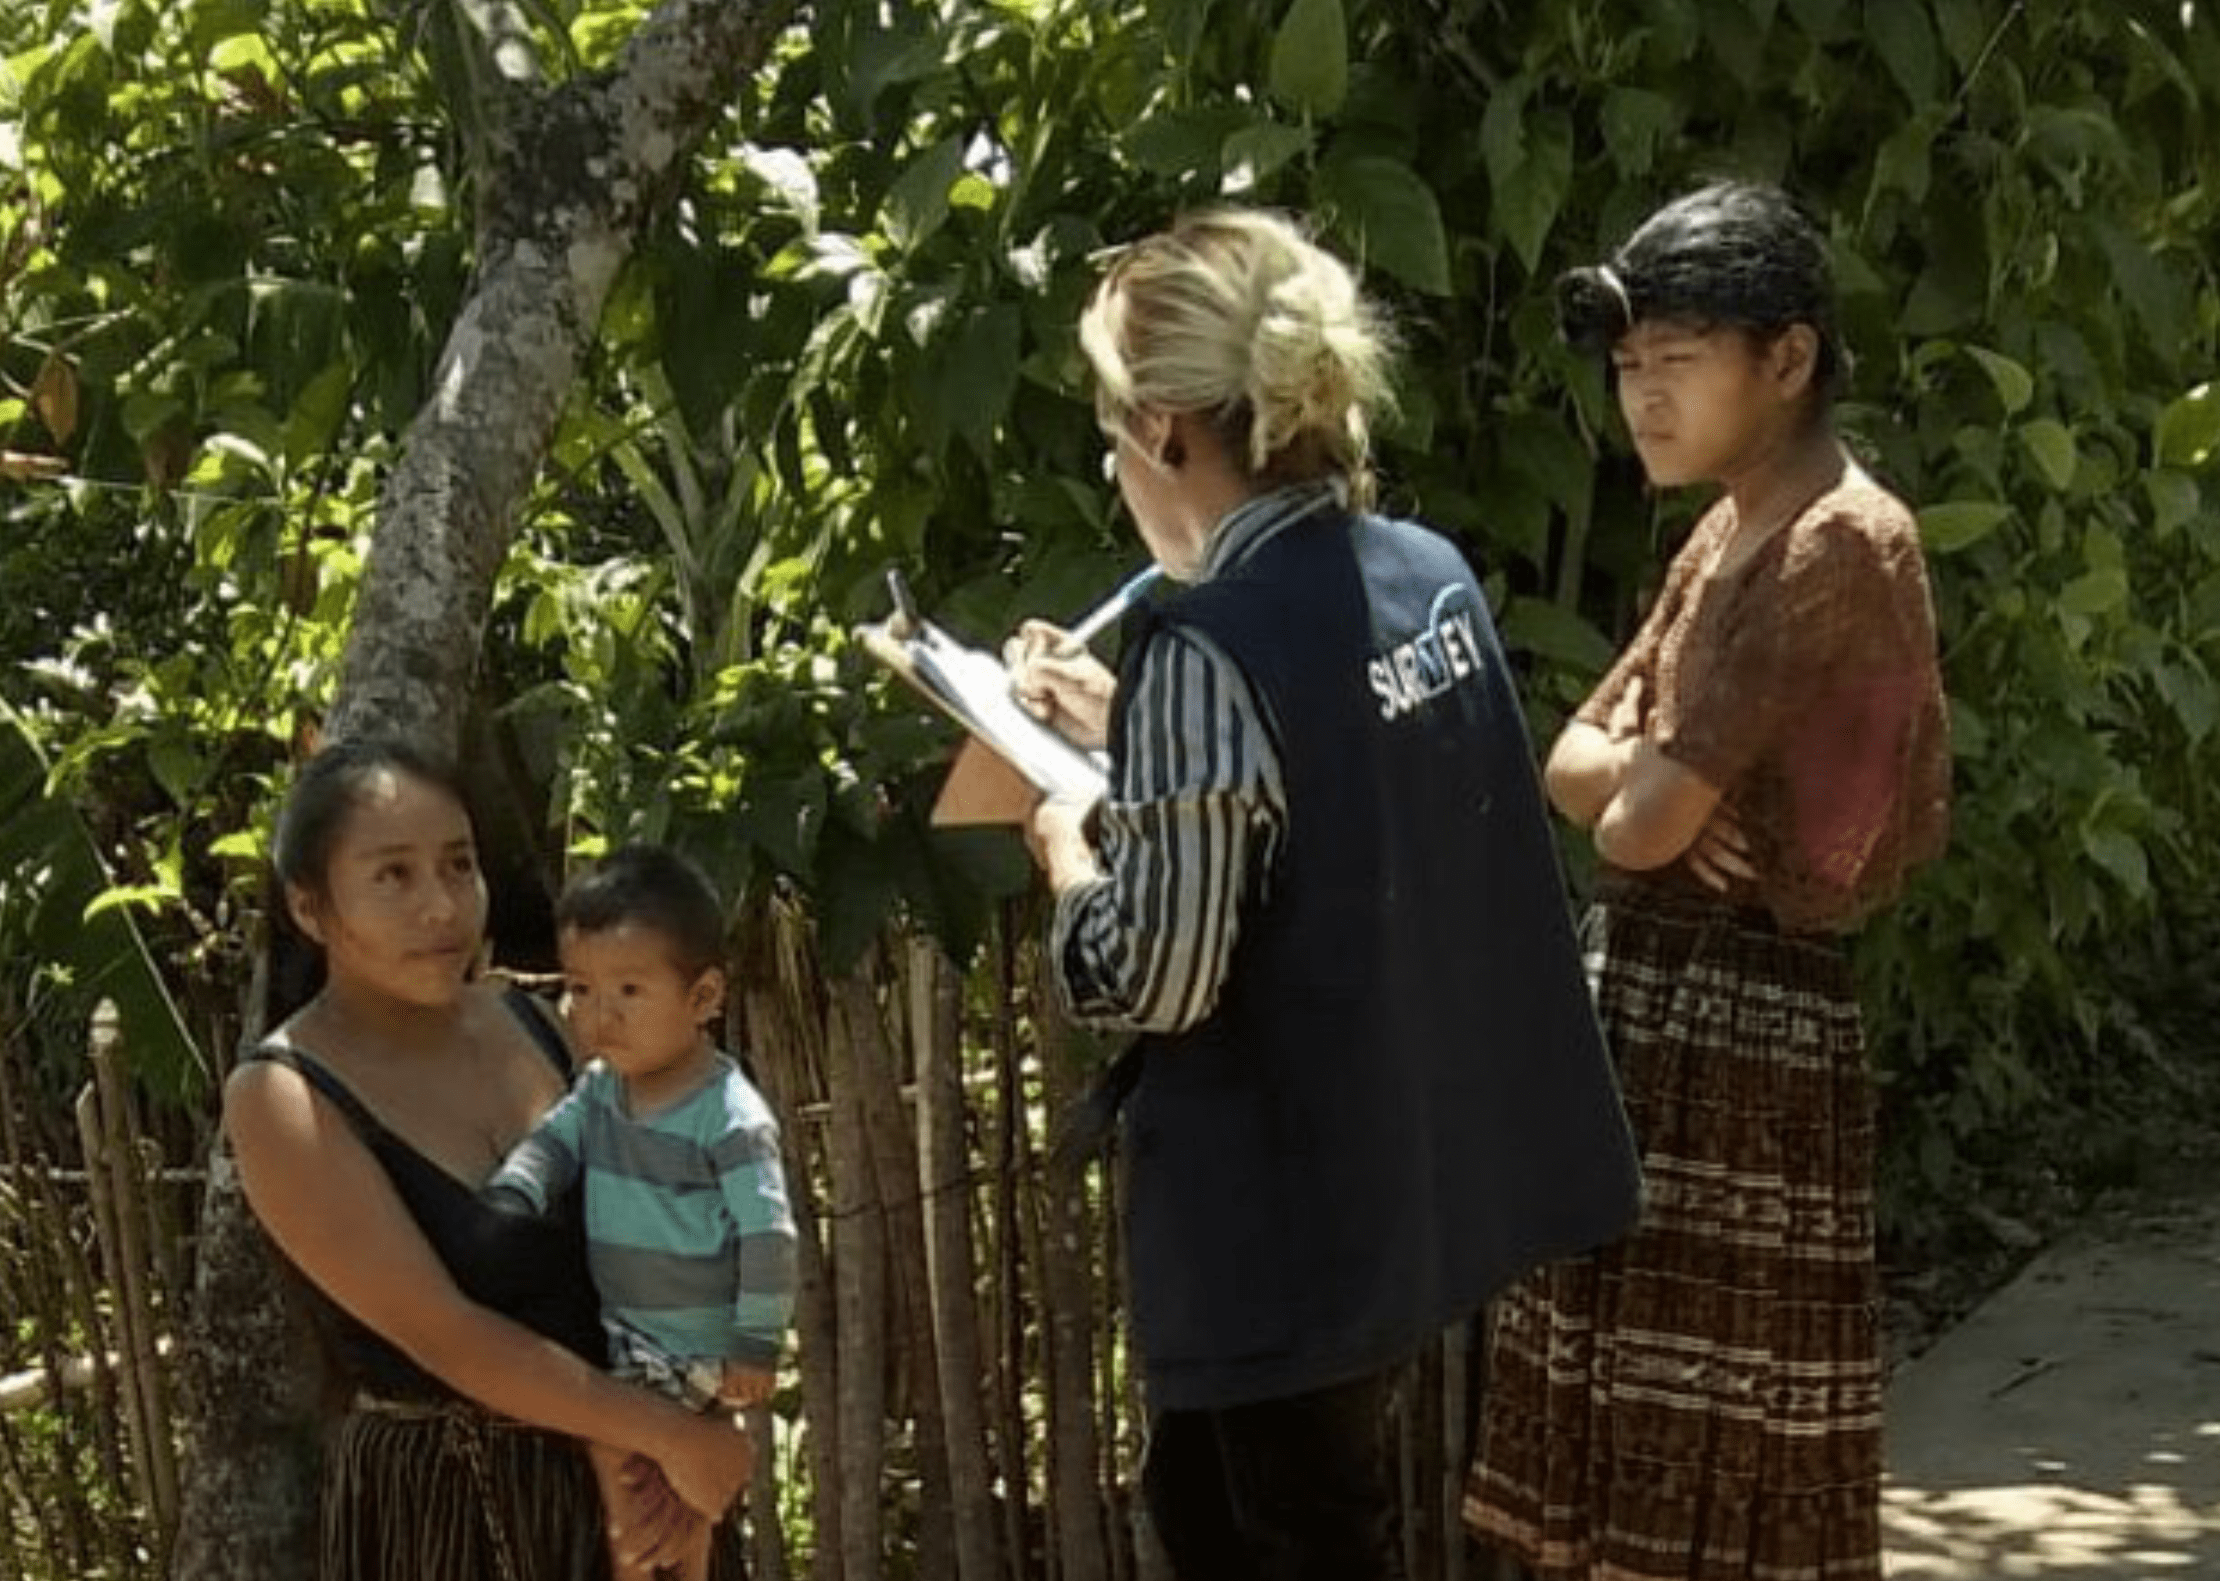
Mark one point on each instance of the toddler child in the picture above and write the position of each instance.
(688, 1230)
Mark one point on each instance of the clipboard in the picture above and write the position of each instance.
(1009, 759)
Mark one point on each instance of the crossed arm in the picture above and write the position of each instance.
(1645, 810)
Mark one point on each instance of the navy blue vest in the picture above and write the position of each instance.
(1402, 1099)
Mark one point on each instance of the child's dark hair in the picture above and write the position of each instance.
(324, 793)
(1734, 254)
(657, 888)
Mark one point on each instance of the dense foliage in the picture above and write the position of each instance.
(234, 232)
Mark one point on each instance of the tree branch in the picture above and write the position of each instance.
(588, 166)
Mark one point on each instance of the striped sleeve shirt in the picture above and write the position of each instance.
(1193, 824)
(688, 1229)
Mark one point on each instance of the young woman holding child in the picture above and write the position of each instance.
(1759, 770)
(468, 1337)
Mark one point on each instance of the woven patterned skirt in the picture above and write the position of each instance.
(1702, 1401)
(445, 1493)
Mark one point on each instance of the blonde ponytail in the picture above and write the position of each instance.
(1238, 315)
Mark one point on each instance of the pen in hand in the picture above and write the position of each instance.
(1057, 681)
(1113, 608)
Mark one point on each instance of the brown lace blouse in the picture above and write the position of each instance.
(1804, 684)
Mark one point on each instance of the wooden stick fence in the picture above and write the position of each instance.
(967, 1411)
(90, 1258)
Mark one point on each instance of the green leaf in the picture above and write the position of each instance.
(50, 867)
(1183, 142)
(2120, 854)
(1965, 29)
(2051, 443)
(1262, 149)
(2174, 500)
(2189, 691)
(1310, 57)
(917, 203)
(314, 422)
(981, 374)
(1960, 524)
(1389, 216)
(1634, 121)
(2015, 386)
(1905, 162)
(1528, 201)
(1822, 19)
(1546, 453)
(2161, 301)
(1503, 129)
(2189, 429)
(1905, 40)
(2096, 593)
(1552, 632)
(147, 412)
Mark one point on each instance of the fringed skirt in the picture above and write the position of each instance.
(1702, 1401)
(447, 1493)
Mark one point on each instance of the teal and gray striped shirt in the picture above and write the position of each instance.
(688, 1230)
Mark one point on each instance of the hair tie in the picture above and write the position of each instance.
(1617, 287)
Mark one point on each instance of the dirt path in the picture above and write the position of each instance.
(2069, 1429)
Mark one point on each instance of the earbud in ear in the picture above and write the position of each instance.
(1174, 456)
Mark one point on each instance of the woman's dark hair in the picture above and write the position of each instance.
(1734, 254)
(324, 793)
(657, 888)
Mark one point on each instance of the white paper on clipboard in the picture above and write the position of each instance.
(973, 688)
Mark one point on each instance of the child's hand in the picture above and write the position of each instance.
(649, 1526)
(743, 1385)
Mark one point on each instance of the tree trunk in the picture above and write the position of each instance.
(585, 168)
(251, 1413)
(951, 1267)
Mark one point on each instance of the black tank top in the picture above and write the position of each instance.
(530, 1268)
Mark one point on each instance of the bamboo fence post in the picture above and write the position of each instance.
(138, 1431)
(1009, 1240)
(1150, 1562)
(52, 1257)
(767, 1545)
(1067, 1288)
(1108, 1390)
(951, 1270)
(860, 1289)
(787, 1036)
(1406, 1479)
(130, 1270)
(894, 1164)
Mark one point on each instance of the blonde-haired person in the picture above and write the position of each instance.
(1369, 1086)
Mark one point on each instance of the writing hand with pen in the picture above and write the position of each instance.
(1056, 680)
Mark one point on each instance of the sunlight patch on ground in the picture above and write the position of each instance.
(2047, 1532)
